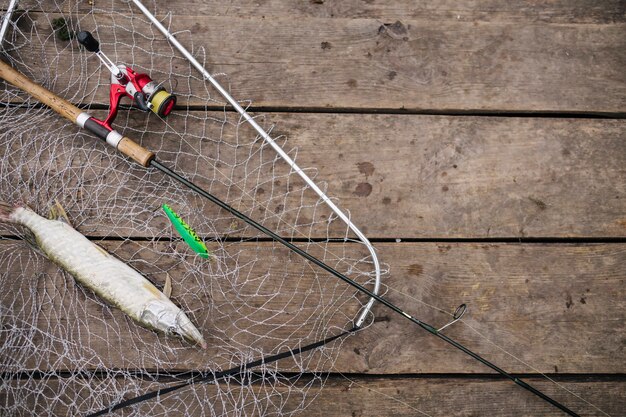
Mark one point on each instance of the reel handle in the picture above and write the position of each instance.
(140, 99)
(88, 41)
(66, 109)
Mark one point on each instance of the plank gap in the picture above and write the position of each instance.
(168, 376)
(504, 113)
(235, 239)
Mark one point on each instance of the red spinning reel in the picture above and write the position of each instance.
(125, 82)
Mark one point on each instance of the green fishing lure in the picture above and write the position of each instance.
(186, 232)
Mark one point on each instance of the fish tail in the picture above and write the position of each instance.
(6, 210)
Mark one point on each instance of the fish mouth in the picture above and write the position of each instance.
(186, 330)
(166, 318)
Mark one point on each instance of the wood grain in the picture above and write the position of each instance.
(59, 105)
(532, 300)
(460, 397)
(557, 307)
(351, 397)
(522, 12)
(400, 176)
(366, 64)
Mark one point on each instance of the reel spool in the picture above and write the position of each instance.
(146, 93)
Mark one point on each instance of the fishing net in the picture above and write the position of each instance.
(64, 351)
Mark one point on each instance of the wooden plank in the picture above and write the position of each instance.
(582, 11)
(353, 396)
(399, 176)
(524, 11)
(460, 397)
(363, 64)
(530, 300)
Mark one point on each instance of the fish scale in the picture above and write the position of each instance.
(104, 274)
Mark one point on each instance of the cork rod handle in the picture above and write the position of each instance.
(135, 151)
(66, 109)
(56, 103)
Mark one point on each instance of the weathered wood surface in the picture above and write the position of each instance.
(558, 307)
(579, 11)
(532, 300)
(523, 11)
(400, 176)
(362, 397)
(459, 397)
(369, 64)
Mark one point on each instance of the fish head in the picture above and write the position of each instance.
(169, 319)
(185, 329)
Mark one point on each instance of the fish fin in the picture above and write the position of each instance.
(105, 252)
(57, 212)
(5, 212)
(167, 288)
(29, 237)
(31, 241)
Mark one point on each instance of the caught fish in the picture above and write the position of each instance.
(104, 274)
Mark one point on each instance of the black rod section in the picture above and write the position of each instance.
(355, 284)
(216, 376)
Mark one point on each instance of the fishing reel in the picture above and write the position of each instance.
(125, 82)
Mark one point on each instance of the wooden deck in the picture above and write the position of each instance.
(482, 147)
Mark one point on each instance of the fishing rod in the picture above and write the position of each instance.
(147, 158)
(276, 147)
(148, 95)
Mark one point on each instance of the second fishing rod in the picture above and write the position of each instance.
(147, 159)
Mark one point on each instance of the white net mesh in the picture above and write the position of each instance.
(63, 351)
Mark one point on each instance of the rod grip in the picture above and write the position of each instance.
(135, 151)
(66, 109)
(56, 103)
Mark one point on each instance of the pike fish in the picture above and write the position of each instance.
(104, 274)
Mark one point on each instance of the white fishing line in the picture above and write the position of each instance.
(77, 354)
(251, 301)
(279, 150)
(500, 348)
